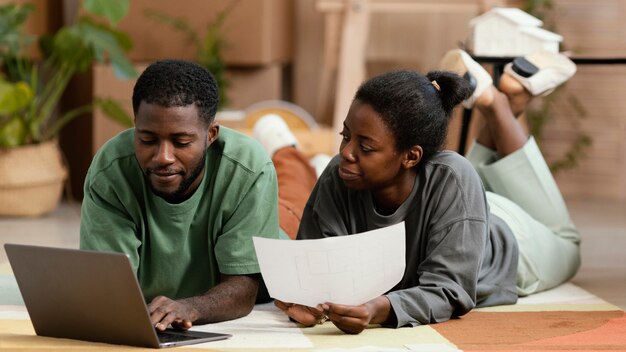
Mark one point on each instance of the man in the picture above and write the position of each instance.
(182, 198)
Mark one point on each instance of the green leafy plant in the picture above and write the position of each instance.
(209, 47)
(30, 91)
(540, 9)
(539, 116)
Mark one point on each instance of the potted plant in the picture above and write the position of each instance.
(32, 171)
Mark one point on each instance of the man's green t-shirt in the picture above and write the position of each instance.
(179, 250)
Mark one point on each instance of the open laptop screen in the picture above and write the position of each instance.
(87, 295)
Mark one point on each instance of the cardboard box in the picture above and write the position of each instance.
(107, 85)
(255, 32)
(252, 85)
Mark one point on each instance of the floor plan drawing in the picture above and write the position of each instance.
(347, 269)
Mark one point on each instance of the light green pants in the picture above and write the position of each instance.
(523, 193)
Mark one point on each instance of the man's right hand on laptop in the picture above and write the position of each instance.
(165, 311)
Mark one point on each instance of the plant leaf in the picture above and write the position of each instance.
(112, 10)
(12, 17)
(103, 40)
(14, 97)
(12, 133)
(66, 118)
(71, 48)
(29, 109)
(114, 111)
(180, 24)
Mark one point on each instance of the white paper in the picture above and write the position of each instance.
(265, 327)
(344, 269)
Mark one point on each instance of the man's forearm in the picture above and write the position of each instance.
(232, 298)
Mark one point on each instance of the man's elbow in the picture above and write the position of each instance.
(245, 295)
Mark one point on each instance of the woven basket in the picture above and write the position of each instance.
(31, 179)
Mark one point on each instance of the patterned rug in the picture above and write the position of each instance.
(563, 319)
(537, 331)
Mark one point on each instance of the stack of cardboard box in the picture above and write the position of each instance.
(257, 36)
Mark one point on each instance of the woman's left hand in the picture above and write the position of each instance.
(354, 319)
(307, 316)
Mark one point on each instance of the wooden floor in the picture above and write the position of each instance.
(601, 223)
(603, 228)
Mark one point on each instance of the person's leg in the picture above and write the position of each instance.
(480, 155)
(538, 73)
(501, 134)
(547, 257)
(501, 127)
(525, 195)
(295, 176)
(518, 98)
(527, 198)
(517, 95)
(296, 179)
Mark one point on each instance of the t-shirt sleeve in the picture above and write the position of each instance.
(255, 215)
(105, 225)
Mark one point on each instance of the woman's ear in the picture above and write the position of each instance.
(413, 156)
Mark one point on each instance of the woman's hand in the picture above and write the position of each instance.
(304, 315)
(354, 319)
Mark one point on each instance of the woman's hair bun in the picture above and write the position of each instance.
(453, 89)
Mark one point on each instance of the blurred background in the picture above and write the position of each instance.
(290, 50)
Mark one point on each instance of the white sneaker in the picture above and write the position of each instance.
(542, 71)
(273, 133)
(459, 62)
(319, 163)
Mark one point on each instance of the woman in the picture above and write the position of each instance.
(480, 231)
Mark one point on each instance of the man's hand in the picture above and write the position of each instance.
(232, 298)
(165, 311)
(304, 315)
(354, 319)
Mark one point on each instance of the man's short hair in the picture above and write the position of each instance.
(171, 83)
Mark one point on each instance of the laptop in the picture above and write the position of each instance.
(91, 296)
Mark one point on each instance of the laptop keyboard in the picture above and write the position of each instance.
(165, 336)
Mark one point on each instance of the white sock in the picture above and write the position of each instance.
(273, 133)
(319, 163)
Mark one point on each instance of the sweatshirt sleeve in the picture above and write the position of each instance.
(445, 252)
(446, 277)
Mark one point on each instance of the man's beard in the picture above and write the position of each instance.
(179, 195)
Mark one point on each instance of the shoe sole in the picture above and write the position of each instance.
(458, 62)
